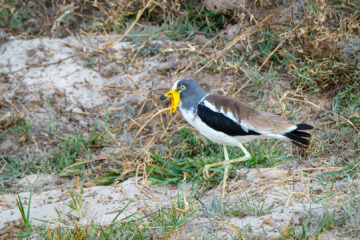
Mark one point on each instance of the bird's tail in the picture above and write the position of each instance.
(298, 137)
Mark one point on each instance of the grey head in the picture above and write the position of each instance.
(190, 93)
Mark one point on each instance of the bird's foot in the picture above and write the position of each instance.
(206, 174)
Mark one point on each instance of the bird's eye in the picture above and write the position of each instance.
(182, 87)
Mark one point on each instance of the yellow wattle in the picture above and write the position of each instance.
(174, 101)
(174, 96)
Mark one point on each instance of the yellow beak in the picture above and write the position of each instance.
(174, 96)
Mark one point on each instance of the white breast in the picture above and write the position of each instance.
(213, 135)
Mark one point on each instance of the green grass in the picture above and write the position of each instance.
(268, 41)
(12, 14)
(168, 220)
(22, 130)
(347, 101)
(127, 229)
(240, 207)
(159, 223)
(296, 62)
(124, 230)
(261, 84)
(70, 149)
(25, 214)
(350, 214)
(311, 226)
(65, 155)
(190, 153)
(17, 167)
(65, 158)
(197, 19)
(77, 198)
(351, 171)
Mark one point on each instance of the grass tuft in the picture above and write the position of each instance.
(25, 216)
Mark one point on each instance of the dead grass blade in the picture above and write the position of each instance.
(325, 110)
(138, 15)
(243, 35)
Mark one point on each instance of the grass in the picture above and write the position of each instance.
(25, 215)
(69, 150)
(15, 167)
(311, 227)
(240, 207)
(12, 14)
(17, 126)
(169, 220)
(347, 101)
(22, 130)
(262, 84)
(189, 155)
(198, 19)
(161, 223)
(77, 198)
(350, 212)
(66, 158)
(63, 155)
(317, 56)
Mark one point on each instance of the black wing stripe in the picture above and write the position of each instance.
(221, 123)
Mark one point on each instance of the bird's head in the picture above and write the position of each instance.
(182, 89)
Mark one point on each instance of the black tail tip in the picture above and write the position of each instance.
(304, 126)
(298, 137)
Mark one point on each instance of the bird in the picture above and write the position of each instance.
(229, 122)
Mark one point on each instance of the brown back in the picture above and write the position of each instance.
(254, 119)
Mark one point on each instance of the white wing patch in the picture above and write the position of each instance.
(227, 114)
(209, 105)
(244, 127)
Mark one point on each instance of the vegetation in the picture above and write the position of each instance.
(312, 52)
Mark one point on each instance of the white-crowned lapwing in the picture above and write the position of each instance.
(227, 121)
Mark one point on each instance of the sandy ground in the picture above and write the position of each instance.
(100, 203)
(284, 202)
(55, 75)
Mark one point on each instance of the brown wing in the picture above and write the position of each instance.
(249, 118)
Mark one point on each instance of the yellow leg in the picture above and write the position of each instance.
(226, 170)
(226, 164)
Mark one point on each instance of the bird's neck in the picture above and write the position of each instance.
(191, 103)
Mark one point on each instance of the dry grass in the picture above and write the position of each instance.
(314, 49)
